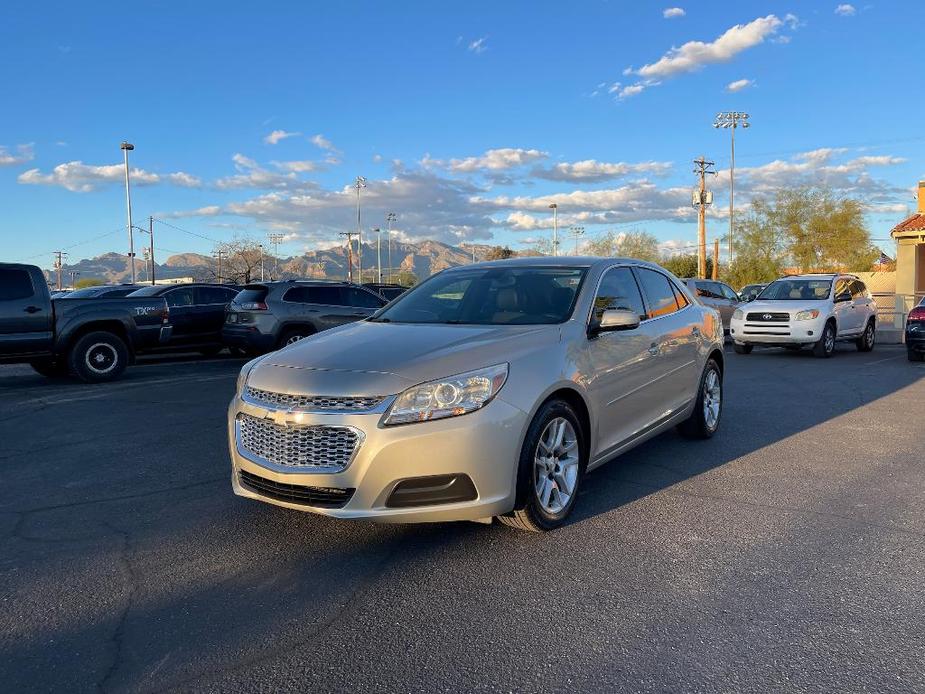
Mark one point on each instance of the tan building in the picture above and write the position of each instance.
(910, 250)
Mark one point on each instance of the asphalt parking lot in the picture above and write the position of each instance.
(787, 553)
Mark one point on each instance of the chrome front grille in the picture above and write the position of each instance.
(313, 403)
(310, 447)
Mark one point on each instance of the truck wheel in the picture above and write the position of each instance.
(98, 357)
(826, 345)
(50, 368)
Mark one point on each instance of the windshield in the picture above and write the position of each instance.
(147, 291)
(490, 296)
(85, 293)
(796, 290)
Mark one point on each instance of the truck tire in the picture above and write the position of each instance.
(98, 357)
(50, 368)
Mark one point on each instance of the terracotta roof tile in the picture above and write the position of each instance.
(914, 223)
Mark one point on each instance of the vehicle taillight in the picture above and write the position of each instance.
(165, 315)
(917, 315)
(253, 306)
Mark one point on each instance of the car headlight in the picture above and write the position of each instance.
(807, 315)
(737, 314)
(447, 397)
(245, 372)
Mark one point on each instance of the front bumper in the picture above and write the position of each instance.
(483, 445)
(915, 339)
(790, 333)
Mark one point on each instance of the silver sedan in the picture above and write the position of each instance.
(488, 391)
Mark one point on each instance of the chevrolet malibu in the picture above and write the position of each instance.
(487, 391)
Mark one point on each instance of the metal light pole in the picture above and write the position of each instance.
(390, 217)
(577, 233)
(359, 184)
(731, 120)
(555, 228)
(126, 147)
(260, 246)
(378, 254)
(275, 240)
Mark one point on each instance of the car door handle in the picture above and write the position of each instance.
(32, 309)
(653, 349)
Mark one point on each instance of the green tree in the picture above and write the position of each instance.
(88, 282)
(405, 278)
(499, 253)
(636, 244)
(685, 265)
(761, 247)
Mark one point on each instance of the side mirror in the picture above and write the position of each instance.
(841, 298)
(615, 319)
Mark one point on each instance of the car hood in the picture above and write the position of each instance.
(368, 358)
(790, 306)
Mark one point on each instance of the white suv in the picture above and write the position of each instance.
(807, 311)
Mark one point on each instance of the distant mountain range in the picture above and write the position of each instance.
(422, 259)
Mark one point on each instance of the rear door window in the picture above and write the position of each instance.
(329, 296)
(858, 290)
(15, 284)
(180, 297)
(213, 295)
(709, 290)
(361, 298)
(728, 291)
(660, 297)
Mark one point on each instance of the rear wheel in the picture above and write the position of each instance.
(552, 462)
(865, 343)
(704, 421)
(50, 368)
(826, 345)
(294, 335)
(98, 357)
(742, 349)
(915, 356)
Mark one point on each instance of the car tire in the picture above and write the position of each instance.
(742, 349)
(50, 368)
(98, 357)
(294, 335)
(540, 505)
(825, 347)
(912, 355)
(210, 351)
(865, 343)
(708, 410)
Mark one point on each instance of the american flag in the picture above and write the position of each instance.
(884, 259)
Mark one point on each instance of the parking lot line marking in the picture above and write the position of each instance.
(124, 386)
(880, 361)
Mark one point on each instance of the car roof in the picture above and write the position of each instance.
(568, 261)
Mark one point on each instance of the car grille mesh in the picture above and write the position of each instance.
(772, 317)
(328, 447)
(313, 402)
(324, 497)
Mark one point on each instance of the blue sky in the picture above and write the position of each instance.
(466, 118)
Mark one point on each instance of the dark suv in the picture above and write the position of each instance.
(270, 315)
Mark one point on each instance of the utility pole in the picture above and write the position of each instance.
(555, 228)
(378, 254)
(716, 258)
(221, 254)
(731, 120)
(127, 147)
(349, 235)
(275, 239)
(359, 184)
(701, 199)
(390, 217)
(577, 233)
(58, 267)
(260, 246)
(151, 245)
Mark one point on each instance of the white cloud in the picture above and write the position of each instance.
(592, 170)
(296, 166)
(322, 142)
(478, 45)
(23, 154)
(253, 175)
(278, 135)
(694, 55)
(845, 10)
(83, 178)
(493, 160)
(673, 12)
(739, 85)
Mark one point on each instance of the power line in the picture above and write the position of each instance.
(186, 231)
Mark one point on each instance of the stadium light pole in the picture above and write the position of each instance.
(731, 120)
(378, 254)
(555, 228)
(390, 217)
(127, 147)
(577, 233)
(359, 184)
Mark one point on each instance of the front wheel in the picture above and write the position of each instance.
(98, 357)
(912, 355)
(865, 343)
(826, 345)
(704, 421)
(552, 463)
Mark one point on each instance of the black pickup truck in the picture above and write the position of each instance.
(93, 339)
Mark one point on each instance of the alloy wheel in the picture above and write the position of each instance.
(712, 399)
(555, 467)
